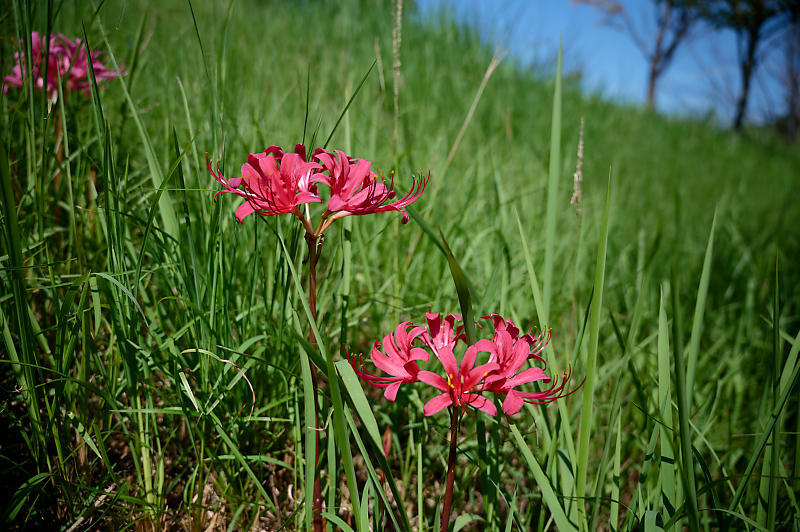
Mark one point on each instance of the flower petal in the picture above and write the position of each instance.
(391, 391)
(480, 402)
(437, 404)
(513, 403)
(432, 379)
(448, 360)
(529, 375)
(244, 210)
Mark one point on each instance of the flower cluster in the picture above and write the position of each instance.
(65, 59)
(277, 182)
(468, 383)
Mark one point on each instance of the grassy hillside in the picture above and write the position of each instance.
(155, 349)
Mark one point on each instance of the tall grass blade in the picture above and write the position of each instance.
(613, 519)
(493, 64)
(699, 309)
(667, 468)
(23, 368)
(775, 447)
(685, 438)
(462, 289)
(403, 523)
(210, 82)
(549, 497)
(763, 439)
(352, 386)
(168, 217)
(552, 189)
(591, 360)
(309, 426)
(349, 102)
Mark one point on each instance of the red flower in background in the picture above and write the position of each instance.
(354, 188)
(270, 188)
(65, 59)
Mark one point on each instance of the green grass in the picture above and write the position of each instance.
(137, 313)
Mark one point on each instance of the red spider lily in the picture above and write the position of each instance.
(466, 384)
(510, 354)
(271, 188)
(399, 361)
(65, 59)
(538, 342)
(355, 189)
(510, 351)
(462, 385)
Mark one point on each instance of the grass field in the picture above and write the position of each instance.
(155, 353)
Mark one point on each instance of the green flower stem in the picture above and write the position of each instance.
(313, 255)
(455, 419)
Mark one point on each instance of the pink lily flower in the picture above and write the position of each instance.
(65, 59)
(270, 188)
(538, 342)
(465, 384)
(462, 386)
(399, 360)
(510, 351)
(355, 189)
(510, 354)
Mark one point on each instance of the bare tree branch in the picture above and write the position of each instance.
(657, 41)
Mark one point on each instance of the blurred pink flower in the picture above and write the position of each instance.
(272, 186)
(466, 384)
(65, 58)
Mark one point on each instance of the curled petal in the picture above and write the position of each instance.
(391, 391)
(556, 391)
(529, 375)
(244, 210)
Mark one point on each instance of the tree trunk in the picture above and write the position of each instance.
(793, 81)
(747, 65)
(652, 78)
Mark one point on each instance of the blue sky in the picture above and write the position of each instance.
(702, 78)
